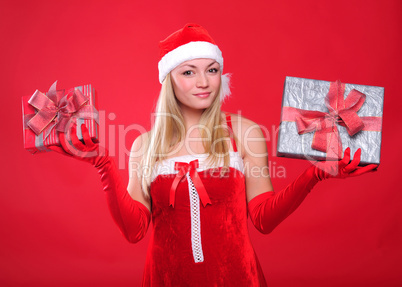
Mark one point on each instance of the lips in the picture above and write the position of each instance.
(202, 95)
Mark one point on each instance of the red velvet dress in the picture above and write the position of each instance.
(200, 234)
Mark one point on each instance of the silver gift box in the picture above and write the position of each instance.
(308, 94)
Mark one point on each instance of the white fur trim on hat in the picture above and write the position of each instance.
(186, 52)
(225, 87)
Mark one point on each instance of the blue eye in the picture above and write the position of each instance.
(213, 70)
(187, 73)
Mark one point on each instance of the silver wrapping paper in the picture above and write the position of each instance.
(308, 94)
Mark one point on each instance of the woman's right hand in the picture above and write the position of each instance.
(130, 215)
(88, 151)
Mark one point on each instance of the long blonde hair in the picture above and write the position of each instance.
(169, 130)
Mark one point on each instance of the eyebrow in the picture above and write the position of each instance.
(192, 66)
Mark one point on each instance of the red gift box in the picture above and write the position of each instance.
(45, 115)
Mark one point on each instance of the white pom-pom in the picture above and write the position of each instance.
(225, 87)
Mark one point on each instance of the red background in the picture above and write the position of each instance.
(55, 226)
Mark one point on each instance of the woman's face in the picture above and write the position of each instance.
(196, 83)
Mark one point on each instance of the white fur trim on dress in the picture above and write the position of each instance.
(186, 52)
(166, 166)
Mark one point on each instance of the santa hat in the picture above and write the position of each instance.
(190, 42)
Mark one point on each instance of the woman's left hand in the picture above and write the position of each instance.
(343, 168)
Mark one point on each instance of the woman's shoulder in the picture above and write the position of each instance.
(247, 133)
(242, 126)
(240, 118)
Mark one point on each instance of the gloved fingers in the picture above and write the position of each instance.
(354, 163)
(76, 147)
(346, 158)
(76, 143)
(364, 169)
(87, 138)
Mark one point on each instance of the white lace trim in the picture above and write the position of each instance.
(198, 255)
(167, 166)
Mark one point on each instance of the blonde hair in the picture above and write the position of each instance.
(169, 130)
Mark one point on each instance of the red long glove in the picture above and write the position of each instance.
(269, 209)
(131, 216)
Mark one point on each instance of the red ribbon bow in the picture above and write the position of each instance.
(51, 109)
(190, 167)
(340, 111)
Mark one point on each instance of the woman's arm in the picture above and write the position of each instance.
(131, 213)
(134, 185)
(128, 206)
(268, 208)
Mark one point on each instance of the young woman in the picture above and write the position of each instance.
(198, 174)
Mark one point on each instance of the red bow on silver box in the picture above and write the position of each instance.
(191, 168)
(53, 111)
(324, 125)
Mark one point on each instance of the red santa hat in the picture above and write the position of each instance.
(190, 42)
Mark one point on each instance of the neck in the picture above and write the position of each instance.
(191, 117)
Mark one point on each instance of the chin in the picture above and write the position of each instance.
(198, 104)
(197, 107)
(206, 105)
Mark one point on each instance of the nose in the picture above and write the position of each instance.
(202, 80)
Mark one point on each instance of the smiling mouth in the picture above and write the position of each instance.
(202, 95)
